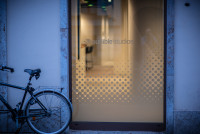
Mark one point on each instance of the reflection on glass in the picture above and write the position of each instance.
(121, 64)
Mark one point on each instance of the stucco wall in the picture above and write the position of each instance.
(33, 41)
(187, 63)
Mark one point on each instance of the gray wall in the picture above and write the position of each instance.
(33, 41)
(187, 62)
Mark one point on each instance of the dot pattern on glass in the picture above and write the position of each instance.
(127, 81)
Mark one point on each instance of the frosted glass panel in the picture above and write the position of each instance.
(118, 60)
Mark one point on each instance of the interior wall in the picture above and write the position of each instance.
(33, 41)
(87, 32)
(87, 27)
(187, 63)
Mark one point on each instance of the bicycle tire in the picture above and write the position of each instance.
(56, 104)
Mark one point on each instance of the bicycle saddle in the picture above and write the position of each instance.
(33, 72)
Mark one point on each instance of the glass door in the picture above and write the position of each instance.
(117, 62)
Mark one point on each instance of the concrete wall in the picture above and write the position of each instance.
(33, 41)
(3, 61)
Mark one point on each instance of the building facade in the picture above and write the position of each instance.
(40, 34)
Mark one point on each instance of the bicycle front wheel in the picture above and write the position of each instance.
(57, 116)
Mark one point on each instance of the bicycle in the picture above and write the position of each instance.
(47, 111)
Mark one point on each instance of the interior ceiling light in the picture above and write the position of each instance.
(90, 5)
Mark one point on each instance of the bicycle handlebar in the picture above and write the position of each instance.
(3, 68)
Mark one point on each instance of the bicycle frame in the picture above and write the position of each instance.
(27, 89)
(6, 103)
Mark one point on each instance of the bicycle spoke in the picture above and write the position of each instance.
(51, 99)
(46, 101)
(52, 121)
